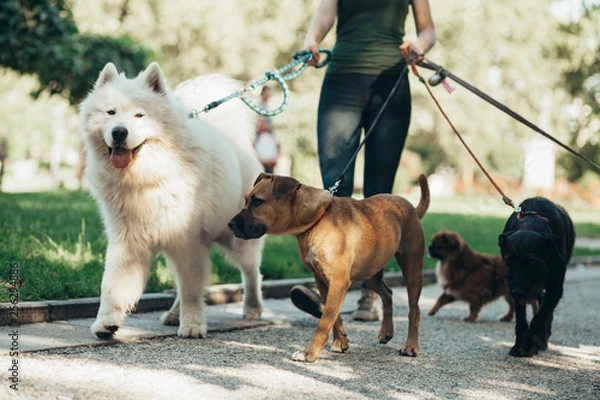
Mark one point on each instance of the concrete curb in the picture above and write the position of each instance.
(31, 312)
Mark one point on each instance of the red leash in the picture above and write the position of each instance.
(505, 198)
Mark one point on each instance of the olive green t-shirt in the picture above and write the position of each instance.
(368, 35)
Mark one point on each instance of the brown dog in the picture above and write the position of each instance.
(466, 275)
(343, 240)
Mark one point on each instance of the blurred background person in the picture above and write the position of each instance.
(266, 146)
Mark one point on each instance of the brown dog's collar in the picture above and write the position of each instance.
(317, 221)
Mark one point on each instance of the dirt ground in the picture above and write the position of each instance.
(458, 360)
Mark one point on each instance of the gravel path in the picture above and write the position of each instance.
(458, 360)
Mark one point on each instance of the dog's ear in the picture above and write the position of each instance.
(154, 79)
(108, 74)
(502, 238)
(282, 186)
(262, 176)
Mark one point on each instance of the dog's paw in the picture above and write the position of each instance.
(195, 331)
(528, 348)
(169, 318)
(103, 331)
(386, 332)
(303, 356)
(470, 318)
(252, 313)
(384, 338)
(340, 345)
(299, 356)
(507, 318)
(409, 351)
(522, 351)
(533, 344)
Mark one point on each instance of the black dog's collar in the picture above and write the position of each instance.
(522, 214)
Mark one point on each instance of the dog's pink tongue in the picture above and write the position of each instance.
(120, 157)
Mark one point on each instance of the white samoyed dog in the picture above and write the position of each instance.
(168, 183)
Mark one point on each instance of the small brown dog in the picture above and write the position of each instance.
(343, 240)
(466, 275)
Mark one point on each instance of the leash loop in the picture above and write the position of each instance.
(306, 56)
(270, 75)
(302, 57)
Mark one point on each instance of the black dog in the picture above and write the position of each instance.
(536, 247)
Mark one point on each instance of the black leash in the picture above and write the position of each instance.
(505, 198)
(441, 73)
(340, 178)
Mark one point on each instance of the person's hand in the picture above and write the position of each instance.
(412, 51)
(314, 49)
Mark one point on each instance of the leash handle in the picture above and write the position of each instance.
(306, 56)
(413, 66)
(271, 75)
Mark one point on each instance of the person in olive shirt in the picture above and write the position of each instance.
(365, 64)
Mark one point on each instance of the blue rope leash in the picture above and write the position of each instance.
(300, 57)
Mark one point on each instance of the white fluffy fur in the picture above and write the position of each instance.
(175, 197)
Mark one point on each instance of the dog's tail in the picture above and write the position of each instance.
(424, 202)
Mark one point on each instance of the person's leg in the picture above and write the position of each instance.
(369, 308)
(339, 127)
(386, 142)
(382, 156)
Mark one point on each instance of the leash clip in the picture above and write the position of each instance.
(333, 188)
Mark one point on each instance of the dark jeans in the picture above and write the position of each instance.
(349, 103)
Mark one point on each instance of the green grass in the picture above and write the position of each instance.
(58, 242)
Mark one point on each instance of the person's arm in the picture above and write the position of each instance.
(320, 25)
(425, 30)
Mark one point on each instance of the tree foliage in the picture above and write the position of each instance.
(41, 38)
(94, 52)
(579, 53)
(544, 68)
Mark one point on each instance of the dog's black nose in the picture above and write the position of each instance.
(231, 224)
(235, 227)
(119, 134)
